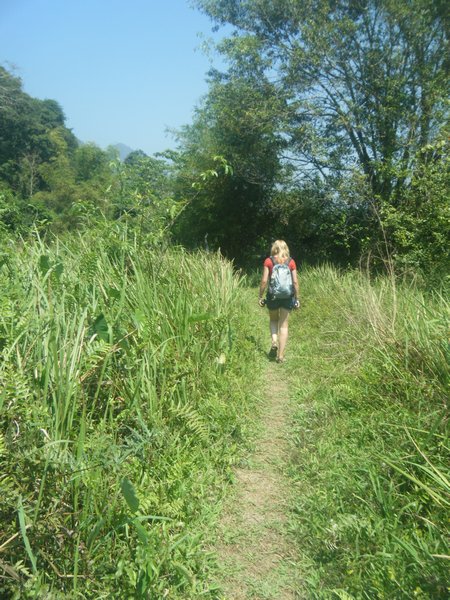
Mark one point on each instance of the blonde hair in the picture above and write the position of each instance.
(280, 248)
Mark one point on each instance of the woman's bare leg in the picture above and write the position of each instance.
(283, 332)
(273, 324)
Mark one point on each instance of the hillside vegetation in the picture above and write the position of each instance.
(128, 385)
(370, 440)
(123, 396)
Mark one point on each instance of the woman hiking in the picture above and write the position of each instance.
(280, 271)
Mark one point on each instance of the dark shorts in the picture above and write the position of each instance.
(287, 303)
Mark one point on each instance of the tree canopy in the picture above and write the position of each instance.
(354, 92)
(328, 127)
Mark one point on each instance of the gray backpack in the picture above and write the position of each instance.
(280, 285)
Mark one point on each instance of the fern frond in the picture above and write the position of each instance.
(192, 420)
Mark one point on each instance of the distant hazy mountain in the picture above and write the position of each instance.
(123, 150)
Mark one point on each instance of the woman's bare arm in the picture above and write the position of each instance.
(295, 282)
(264, 279)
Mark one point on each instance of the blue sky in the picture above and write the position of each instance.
(122, 71)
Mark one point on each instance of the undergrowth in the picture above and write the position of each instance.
(370, 446)
(123, 405)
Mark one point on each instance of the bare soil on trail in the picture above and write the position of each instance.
(255, 555)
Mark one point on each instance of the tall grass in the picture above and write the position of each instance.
(122, 399)
(371, 439)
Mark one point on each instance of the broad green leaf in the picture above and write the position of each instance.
(59, 269)
(129, 494)
(100, 328)
(44, 264)
(113, 292)
(139, 317)
(141, 531)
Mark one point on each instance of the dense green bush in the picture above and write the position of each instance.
(418, 225)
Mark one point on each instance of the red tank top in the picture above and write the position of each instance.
(269, 264)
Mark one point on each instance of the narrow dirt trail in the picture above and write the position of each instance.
(257, 560)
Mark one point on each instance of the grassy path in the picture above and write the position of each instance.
(257, 558)
(346, 492)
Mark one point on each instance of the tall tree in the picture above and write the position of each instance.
(236, 122)
(364, 81)
(26, 140)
